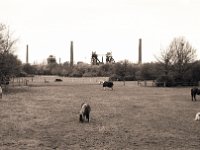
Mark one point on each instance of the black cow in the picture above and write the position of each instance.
(195, 91)
(108, 84)
(84, 112)
(58, 80)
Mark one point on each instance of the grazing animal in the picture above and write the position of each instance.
(195, 91)
(108, 84)
(197, 117)
(58, 80)
(1, 93)
(85, 112)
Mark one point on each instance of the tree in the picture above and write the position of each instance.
(176, 59)
(195, 71)
(149, 71)
(165, 61)
(9, 64)
(6, 42)
(183, 55)
(29, 69)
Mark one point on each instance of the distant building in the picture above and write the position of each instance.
(51, 60)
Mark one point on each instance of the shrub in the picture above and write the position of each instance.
(165, 81)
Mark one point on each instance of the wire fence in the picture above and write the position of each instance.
(153, 83)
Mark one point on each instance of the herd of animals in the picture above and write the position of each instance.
(85, 108)
(84, 115)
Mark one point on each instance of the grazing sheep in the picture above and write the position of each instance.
(1, 92)
(108, 84)
(85, 112)
(197, 117)
(195, 91)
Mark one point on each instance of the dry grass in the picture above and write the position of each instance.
(45, 116)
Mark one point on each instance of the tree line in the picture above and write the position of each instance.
(175, 65)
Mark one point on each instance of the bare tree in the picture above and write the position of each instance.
(183, 55)
(166, 61)
(6, 42)
(9, 64)
(177, 58)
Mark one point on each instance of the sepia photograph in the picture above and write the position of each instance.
(99, 75)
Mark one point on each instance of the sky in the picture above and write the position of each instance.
(48, 27)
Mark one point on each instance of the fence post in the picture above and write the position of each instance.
(13, 82)
(145, 83)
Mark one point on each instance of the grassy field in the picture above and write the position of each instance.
(44, 116)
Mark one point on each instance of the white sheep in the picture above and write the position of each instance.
(197, 117)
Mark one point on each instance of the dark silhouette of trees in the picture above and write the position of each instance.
(29, 69)
(150, 71)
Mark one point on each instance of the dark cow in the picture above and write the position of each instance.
(195, 91)
(58, 80)
(85, 112)
(108, 84)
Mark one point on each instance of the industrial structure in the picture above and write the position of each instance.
(27, 54)
(140, 52)
(51, 60)
(95, 60)
(109, 58)
(71, 54)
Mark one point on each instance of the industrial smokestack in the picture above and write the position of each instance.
(71, 54)
(140, 52)
(27, 54)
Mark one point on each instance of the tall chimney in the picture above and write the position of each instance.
(27, 54)
(140, 52)
(71, 54)
(59, 60)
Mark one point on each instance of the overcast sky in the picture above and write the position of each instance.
(48, 26)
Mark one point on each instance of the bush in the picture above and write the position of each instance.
(89, 74)
(115, 77)
(165, 81)
(130, 78)
(75, 73)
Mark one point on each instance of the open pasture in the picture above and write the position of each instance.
(46, 116)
